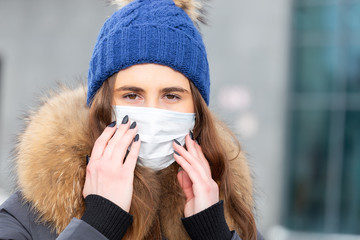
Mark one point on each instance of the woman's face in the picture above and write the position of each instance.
(153, 85)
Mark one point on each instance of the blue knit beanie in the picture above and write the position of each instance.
(149, 31)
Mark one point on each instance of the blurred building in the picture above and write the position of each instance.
(285, 77)
(323, 138)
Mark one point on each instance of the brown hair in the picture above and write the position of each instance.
(206, 134)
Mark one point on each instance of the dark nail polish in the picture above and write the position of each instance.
(112, 124)
(133, 125)
(136, 138)
(177, 142)
(191, 135)
(87, 159)
(176, 153)
(125, 120)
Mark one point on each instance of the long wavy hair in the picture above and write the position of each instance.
(205, 132)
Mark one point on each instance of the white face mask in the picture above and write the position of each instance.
(157, 129)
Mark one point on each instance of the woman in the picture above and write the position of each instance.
(164, 169)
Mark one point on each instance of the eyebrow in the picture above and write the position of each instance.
(130, 88)
(164, 90)
(174, 89)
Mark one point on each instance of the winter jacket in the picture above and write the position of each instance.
(50, 166)
(18, 221)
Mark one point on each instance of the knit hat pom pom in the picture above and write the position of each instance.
(195, 9)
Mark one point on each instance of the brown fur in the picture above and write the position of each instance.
(50, 164)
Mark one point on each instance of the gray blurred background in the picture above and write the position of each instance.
(285, 77)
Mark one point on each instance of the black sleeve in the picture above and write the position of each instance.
(208, 224)
(106, 217)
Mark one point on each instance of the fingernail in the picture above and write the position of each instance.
(191, 135)
(133, 125)
(112, 124)
(87, 159)
(180, 169)
(177, 142)
(125, 120)
(136, 138)
(176, 153)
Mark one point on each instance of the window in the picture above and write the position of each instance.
(323, 171)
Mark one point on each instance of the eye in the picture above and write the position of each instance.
(172, 97)
(131, 97)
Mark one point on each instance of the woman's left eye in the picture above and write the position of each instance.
(172, 97)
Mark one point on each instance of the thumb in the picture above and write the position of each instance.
(185, 184)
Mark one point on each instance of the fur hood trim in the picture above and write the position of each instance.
(50, 164)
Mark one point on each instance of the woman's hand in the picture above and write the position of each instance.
(195, 179)
(107, 174)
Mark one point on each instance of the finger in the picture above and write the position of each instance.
(192, 173)
(202, 171)
(199, 151)
(187, 156)
(202, 157)
(122, 145)
(186, 184)
(190, 145)
(132, 157)
(102, 141)
(123, 127)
